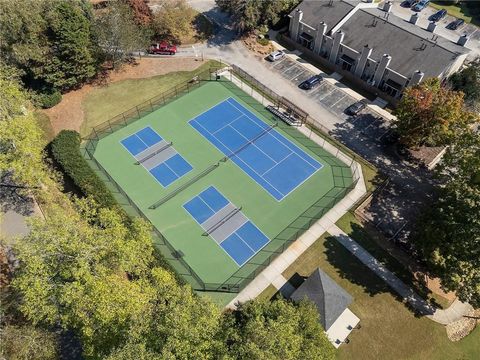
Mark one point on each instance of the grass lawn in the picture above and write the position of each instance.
(389, 329)
(356, 231)
(43, 122)
(268, 293)
(106, 102)
(460, 11)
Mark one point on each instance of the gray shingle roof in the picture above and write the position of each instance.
(329, 297)
(315, 11)
(409, 45)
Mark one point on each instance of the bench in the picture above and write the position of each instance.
(284, 117)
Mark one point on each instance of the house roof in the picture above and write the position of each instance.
(315, 11)
(330, 298)
(410, 46)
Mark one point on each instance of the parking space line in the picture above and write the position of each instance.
(284, 71)
(336, 102)
(323, 97)
(297, 75)
(278, 63)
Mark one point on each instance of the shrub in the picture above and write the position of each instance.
(46, 98)
(263, 41)
(66, 151)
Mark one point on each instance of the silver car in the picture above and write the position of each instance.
(276, 55)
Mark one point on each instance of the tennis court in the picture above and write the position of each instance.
(226, 225)
(156, 155)
(238, 186)
(273, 161)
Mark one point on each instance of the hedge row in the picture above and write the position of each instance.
(66, 151)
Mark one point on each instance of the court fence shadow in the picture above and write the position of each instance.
(342, 163)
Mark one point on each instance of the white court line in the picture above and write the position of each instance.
(243, 163)
(211, 237)
(278, 162)
(260, 120)
(210, 108)
(224, 126)
(253, 144)
(288, 145)
(254, 252)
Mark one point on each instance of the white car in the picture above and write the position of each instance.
(276, 55)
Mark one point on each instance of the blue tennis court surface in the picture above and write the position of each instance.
(226, 224)
(273, 161)
(156, 155)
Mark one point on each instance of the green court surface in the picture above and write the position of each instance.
(281, 221)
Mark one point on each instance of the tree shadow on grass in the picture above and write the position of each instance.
(352, 269)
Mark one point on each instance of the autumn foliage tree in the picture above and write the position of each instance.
(449, 233)
(431, 115)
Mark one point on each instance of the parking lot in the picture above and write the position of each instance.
(368, 122)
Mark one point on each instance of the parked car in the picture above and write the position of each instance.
(276, 55)
(311, 82)
(454, 25)
(356, 108)
(422, 4)
(439, 15)
(162, 48)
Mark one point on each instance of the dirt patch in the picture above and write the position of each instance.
(253, 45)
(68, 114)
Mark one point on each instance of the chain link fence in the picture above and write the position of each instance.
(343, 164)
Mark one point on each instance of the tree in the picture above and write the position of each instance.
(449, 234)
(118, 33)
(432, 115)
(23, 36)
(51, 42)
(21, 140)
(84, 271)
(468, 81)
(72, 58)
(27, 342)
(249, 15)
(275, 330)
(178, 325)
(174, 20)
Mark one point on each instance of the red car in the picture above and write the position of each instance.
(162, 48)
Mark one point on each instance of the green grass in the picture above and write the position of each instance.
(460, 11)
(369, 240)
(389, 329)
(45, 125)
(104, 103)
(268, 293)
(278, 220)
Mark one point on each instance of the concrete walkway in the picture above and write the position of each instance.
(407, 293)
(443, 316)
(455, 312)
